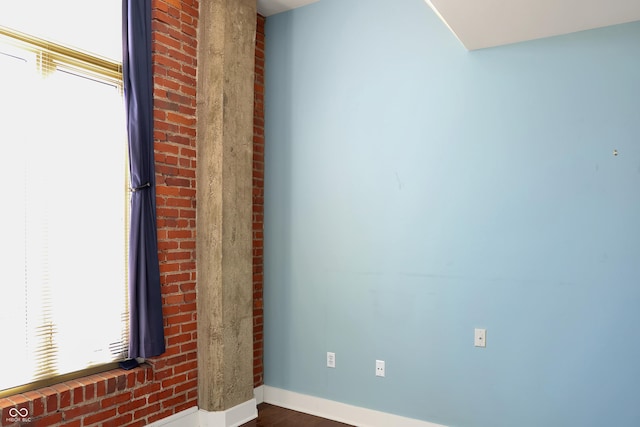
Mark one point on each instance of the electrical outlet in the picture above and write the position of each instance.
(331, 360)
(379, 368)
(480, 337)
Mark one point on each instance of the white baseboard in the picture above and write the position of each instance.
(194, 417)
(233, 417)
(258, 394)
(186, 418)
(247, 411)
(337, 411)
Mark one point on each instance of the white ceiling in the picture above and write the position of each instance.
(271, 7)
(486, 23)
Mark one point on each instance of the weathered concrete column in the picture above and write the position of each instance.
(226, 48)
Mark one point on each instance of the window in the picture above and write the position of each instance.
(63, 291)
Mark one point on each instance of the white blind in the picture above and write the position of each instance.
(64, 173)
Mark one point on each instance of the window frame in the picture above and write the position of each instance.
(101, 68)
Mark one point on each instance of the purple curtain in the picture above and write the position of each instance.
(145, 302)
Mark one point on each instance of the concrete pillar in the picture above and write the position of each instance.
(226, 46)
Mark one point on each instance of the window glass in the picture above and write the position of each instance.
(63, 296)
(90, 25)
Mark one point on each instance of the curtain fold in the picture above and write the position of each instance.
(145, 301)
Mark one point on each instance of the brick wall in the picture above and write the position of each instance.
(167, 384)
(258, 203)
(114, 398)
(174, 48)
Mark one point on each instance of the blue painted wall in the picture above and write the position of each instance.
(415, 191)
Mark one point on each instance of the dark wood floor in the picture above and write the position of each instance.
(275, 416)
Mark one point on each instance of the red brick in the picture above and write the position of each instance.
(65, 399)
(132, 406)
(140, 376)
(147, 410)
(190, 327)
(146, 390)
(89, 391)
(118, 422)
(186, 386)
(38, 406)
(162, 374)
(52, 403)
(178, 339)
(191, 346)
(78, 411)
(177, 400)
(164, 394)
(100, 416)
(188, 307)
(111, 385)
(167, 383)
(116, 400)
(49, 420)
